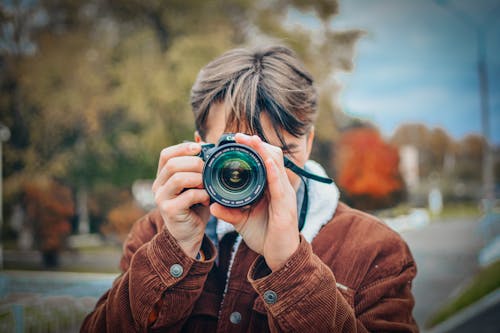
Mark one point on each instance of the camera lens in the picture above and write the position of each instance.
(234, 175)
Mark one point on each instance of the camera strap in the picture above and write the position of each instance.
(303, 175)
(301, 172)
(304, 205)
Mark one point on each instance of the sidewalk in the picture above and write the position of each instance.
(48, 301)
(97, 261)
(480, 317)
(446, 256)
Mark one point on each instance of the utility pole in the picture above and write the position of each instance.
(4, 136)
(481, 30)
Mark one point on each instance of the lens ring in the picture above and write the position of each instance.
(234, 189)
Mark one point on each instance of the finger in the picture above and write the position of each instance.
(182, 203)
(282, 199)
(265, 150)
(182, 149)
(276, 185)
(178, 183)
(192, 197)
(177, 164)
(230, 215)
(279, 179)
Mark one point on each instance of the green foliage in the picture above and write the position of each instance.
(108, 84)
(485, 282)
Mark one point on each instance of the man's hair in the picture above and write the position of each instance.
(270, 80)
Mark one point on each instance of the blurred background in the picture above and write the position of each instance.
(91, 91)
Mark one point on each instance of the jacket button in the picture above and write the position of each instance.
(270, 297)
(176, 270)
(235, 317)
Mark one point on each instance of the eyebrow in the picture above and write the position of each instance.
(289, 147)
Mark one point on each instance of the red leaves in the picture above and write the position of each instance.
(366, 165)
(49, 208)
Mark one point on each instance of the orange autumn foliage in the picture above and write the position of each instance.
(121, 218)
(49, 207)
(366, 165)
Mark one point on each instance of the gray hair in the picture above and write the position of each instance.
(270, 80)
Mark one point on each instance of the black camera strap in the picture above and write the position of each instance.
(301, 172)
(303, 175)
(304, 206)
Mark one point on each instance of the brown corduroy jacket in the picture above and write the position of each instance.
(355, 276)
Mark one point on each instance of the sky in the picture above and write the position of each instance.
(418, 63)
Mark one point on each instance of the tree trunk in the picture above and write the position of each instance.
(82, 211)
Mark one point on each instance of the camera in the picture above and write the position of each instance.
(234, 174)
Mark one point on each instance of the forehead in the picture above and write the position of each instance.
(217, 124)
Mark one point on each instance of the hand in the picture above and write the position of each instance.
(180, 197)
(270, 226)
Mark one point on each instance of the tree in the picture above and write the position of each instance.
(106, 85)
(434, 147)
(49, 207)
(368, 169)
(469, 163)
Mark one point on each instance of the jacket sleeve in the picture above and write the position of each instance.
(159, 281)
(302, 296)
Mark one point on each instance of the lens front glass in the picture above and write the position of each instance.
(235, 175)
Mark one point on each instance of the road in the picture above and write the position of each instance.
(446, 256)
(445, 252)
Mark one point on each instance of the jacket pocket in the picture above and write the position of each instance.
(259, 307)
(258, 319)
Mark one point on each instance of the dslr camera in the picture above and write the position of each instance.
(234, 174)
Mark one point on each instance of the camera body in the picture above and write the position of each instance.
(234, 174)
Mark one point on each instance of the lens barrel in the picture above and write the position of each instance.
(234, 175)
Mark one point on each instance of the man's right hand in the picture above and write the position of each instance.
(180, 196)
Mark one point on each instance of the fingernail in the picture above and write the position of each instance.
(193, 146)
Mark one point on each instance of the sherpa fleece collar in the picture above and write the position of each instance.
(323, 201)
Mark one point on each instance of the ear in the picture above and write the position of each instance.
(310, 139)
(197, 137)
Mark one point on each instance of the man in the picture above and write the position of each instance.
(278, 265)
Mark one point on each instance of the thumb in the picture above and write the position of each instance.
(229, 215)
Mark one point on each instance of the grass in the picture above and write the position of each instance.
(449, 212)
(76, 268)
(464, 209)
(47, 314)
(485, 282)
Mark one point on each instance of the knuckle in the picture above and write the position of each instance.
(192, 195)
(203, 195)
(165, 152)
(176, 179)
(162, 205)
(185, 148)
(277, 150)
(158, 200)
(170, 165)
(200, 164)
(198, 178)
(166, 208)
